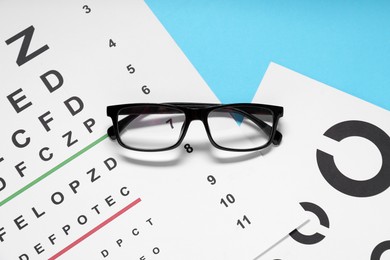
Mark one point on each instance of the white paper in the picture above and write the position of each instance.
(357, 210)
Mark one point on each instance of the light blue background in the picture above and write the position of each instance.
(345, 44)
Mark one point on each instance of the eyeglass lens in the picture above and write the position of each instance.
(152, 128)
(252, 126)
(159, 127)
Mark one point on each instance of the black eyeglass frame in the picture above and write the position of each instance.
(198, 111)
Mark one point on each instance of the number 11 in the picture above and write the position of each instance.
(241, 223)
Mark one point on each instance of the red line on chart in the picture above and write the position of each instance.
(66, 249)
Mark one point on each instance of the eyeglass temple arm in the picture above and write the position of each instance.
(264, 126)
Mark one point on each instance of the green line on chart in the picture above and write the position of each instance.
(46, 174)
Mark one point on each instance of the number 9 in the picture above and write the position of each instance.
(211, 179)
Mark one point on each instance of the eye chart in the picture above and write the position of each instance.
(338, 150)
(68, 192)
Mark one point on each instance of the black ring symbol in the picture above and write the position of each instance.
(380, 249)
(339, 181)
(322, 217)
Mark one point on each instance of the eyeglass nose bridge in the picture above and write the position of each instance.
(193, 114)
(196, 114)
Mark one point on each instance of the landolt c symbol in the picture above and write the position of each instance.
(339, 181)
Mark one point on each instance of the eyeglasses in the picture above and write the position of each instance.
(160, 127)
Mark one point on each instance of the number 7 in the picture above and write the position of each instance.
(170, 122)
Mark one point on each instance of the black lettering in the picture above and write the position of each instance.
(149, 221)
(52, 238)
(14, 102)
(156, 250)
(111, 165)
(3, 184)
(110, 201)
(104, 253)
(73, 185)
(38, 215)
(82, 219)
(27, 35)
(2, 233)
(39, 249)
(135, 232)
(60, 195)
(19, 144)
(44, 122)
(24, 257)
(125, 191)
(88, 124)
(48, 158)
(93, 177)
(69, 142)
(20, 169)
(19, 222)
(47, 83)
(74, 111)
(96, 209)
(66, 228)
(119, 242)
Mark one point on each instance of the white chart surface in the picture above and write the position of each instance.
(336, 155)
(69, 192)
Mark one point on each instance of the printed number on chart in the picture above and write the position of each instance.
(87, 9)
(211, 179)
(229, 200)
(130, 69)
(145, 89)
(241, 223)
(111, 43)
(188, 148)
(170, 122)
